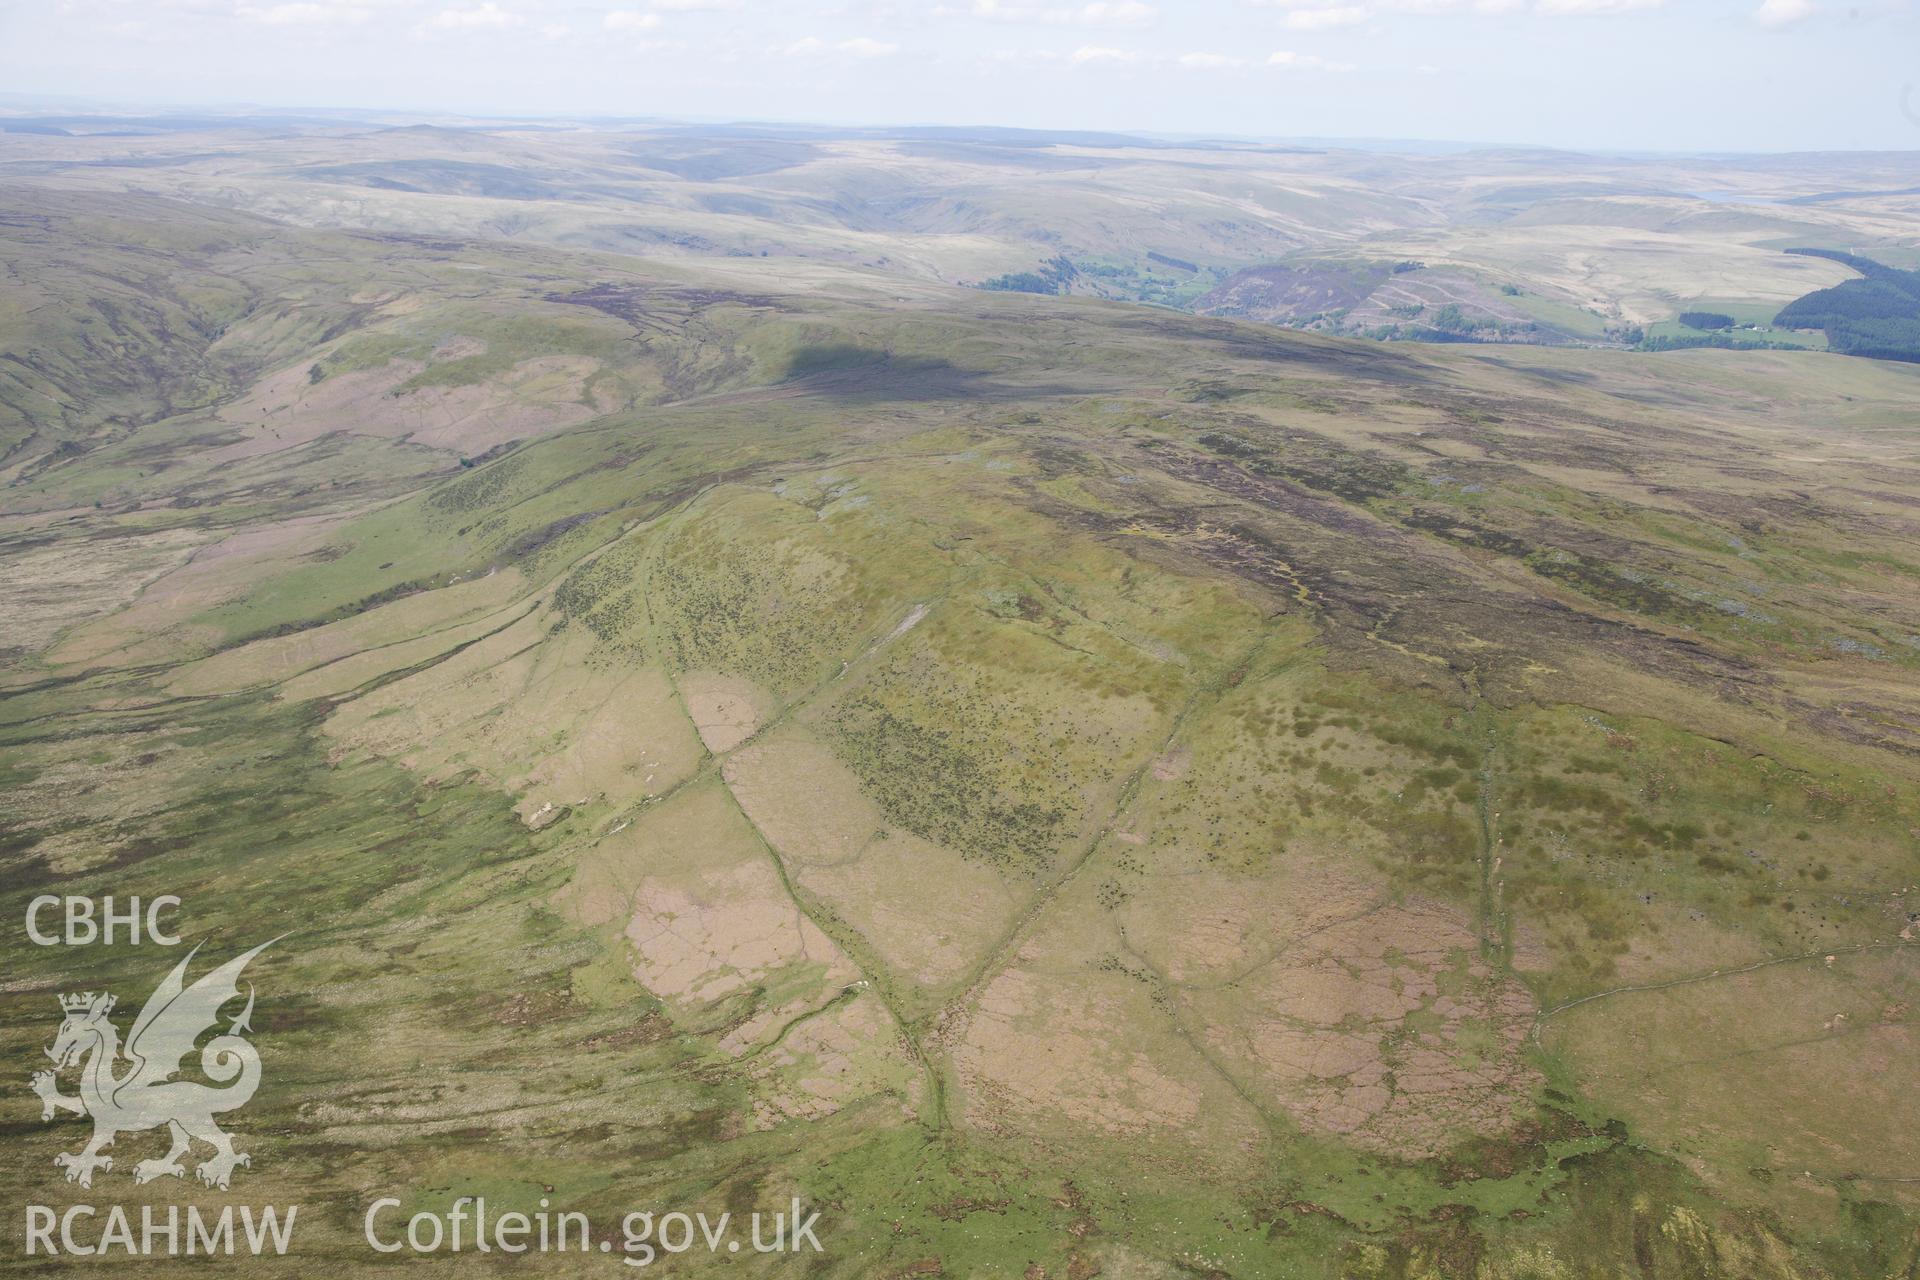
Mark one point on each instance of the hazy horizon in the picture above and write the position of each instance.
(30, 107)
(1593, 75)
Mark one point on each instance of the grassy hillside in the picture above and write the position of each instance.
(1062, 787)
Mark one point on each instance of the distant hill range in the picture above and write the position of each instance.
(1877, 315)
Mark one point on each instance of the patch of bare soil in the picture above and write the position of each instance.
(154, 626)
(1389, 1029)
(531, 398)
(77, 580)
(851, 1051)
(1074, 1038)
(524, 709)
(707, 936)
(364, 640)
(879, 878)
(712, 930)
(1038, 1046)
(1310, 990)
(725, 709)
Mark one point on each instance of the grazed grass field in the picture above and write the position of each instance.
(1061, 787)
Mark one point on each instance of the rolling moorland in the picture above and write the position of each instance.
(1513, 246)
(1062, 786)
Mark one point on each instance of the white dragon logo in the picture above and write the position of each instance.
(146, 1096)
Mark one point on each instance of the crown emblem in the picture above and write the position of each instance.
(87, 1002)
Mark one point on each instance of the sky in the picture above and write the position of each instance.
(1665, 75)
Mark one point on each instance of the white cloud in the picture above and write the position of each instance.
(1096, 13)
(1781, 13)
(1200, 60)
(1345, 15)
(1299, 11)
(481, 17)
(1446, 7)
(630, 20)
(867, 47)
(1595, 8)
(1292, 61)
(804, 47)
(302, 15)
(695, 6)
(1118, 13)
